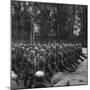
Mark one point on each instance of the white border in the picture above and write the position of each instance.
(83, 2)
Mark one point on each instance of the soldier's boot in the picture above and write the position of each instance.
(73, 63)
(66, 68)
(77, 60)
(73, 67)
(47, 78)
(70, 64)
(83, 55)
(80, 58)
(69, 67)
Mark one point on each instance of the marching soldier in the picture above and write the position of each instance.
(38, 62)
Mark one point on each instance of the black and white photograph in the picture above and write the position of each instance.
(49, 45)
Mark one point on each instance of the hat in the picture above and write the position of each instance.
(42, 50)
(13, 75)
(32, 51)
(39, 74)
(36, 48)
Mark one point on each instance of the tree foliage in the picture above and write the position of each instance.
(32, 19)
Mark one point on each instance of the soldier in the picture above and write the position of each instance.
(77, 54)
(48, 70)
(53, 62)
(61, 59)
(28, 73)
(71, 58)
(39, 79)
(80, 51)
(67, 64)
